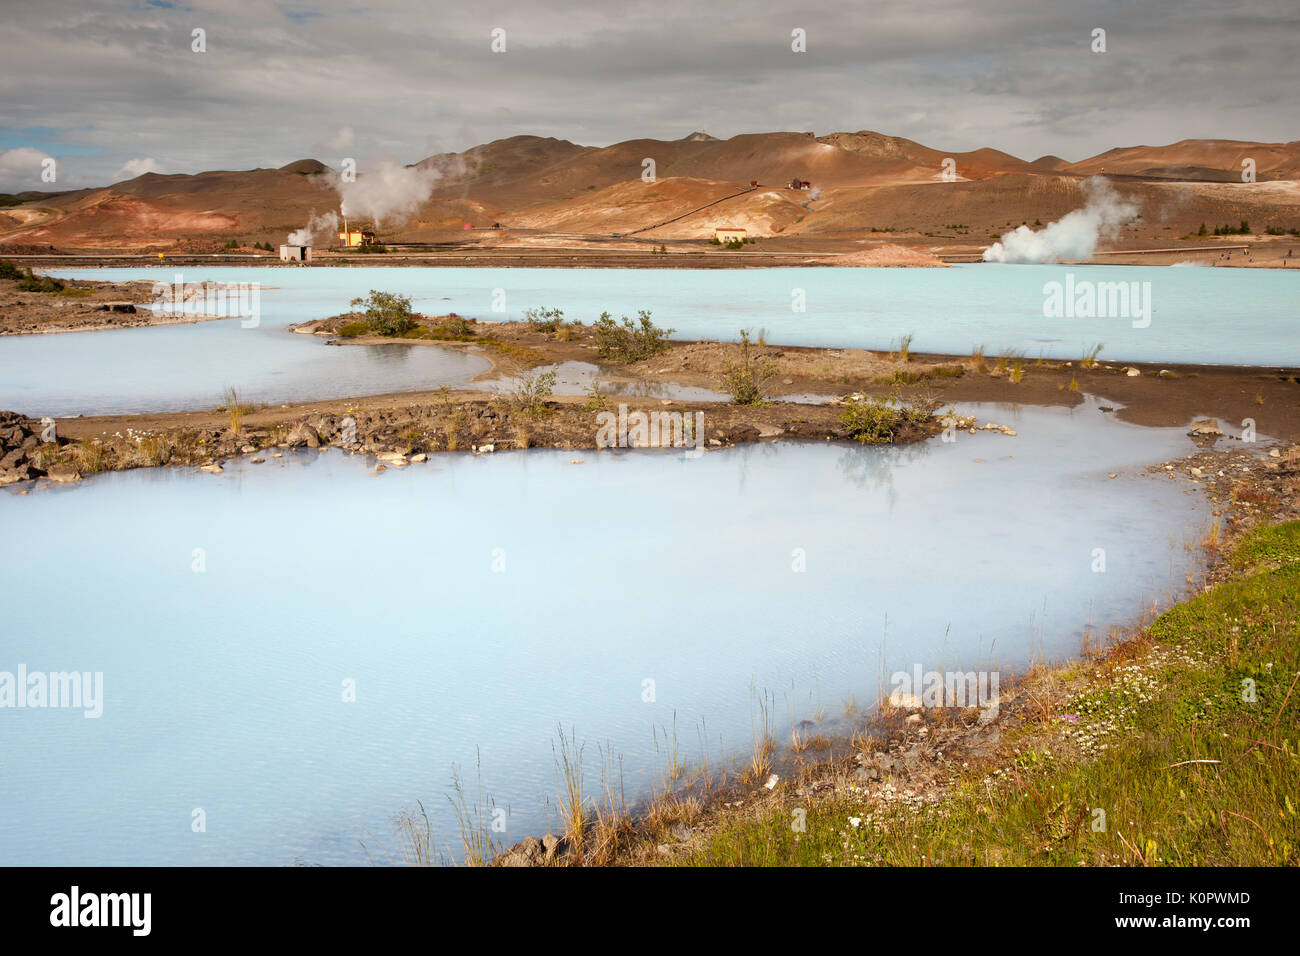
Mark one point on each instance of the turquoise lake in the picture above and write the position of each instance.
(478, 604)
(1228, 316)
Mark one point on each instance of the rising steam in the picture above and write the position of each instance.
(387, 192)
(328, 222)
(1074, 235)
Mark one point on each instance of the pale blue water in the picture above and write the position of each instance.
(1231, 316)
(224, 688)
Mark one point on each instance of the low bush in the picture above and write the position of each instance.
(746, 378)
(628, 341)
(386, 312)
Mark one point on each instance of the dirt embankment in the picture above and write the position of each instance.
(398, 430)
(80, 305)
(887, 256)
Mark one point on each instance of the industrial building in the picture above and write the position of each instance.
(729, 234)
(351, 238)
(290, 253)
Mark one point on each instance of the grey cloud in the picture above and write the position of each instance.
(1011, 74)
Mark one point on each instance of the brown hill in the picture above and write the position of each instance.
(1197, 158)
(862, 182)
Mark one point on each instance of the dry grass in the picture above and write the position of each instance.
(235, 410)
(475, 820)
(571, 802)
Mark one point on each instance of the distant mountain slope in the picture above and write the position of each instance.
(1195, 158)
(861, 181)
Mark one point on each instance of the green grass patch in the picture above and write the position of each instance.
(1180, 749)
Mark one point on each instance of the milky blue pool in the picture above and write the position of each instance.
(478, 603)
(1232, 316)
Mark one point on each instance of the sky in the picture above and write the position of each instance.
(115, 88)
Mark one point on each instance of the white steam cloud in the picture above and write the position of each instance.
(328, 222)
(383, 193)
(388, 193)
(1074, 235)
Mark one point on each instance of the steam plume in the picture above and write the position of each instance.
(388, 193)
(328, 222)
(1074, 235)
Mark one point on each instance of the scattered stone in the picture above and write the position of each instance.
(257, 460)
(1132, 372)
(212, 468)
(63, 473)
(1206, 428)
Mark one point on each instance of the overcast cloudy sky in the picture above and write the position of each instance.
(114, 88)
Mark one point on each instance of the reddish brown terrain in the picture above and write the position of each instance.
(528, 192)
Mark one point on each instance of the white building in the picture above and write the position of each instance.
(295, 253)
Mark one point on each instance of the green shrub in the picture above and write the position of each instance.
(531, 394)
(544, 320)
(387, 313)
(872, 421)
(458, 325)
(9, 271)
(746, 379)
(876, 421)
(351, 330)
(35, 283)
(629, 342)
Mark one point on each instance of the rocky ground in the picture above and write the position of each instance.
(85, 306)
(394, 435)
(501, 417)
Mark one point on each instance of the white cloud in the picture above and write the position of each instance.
(343, 139)
(138, 167)
(20, 170)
